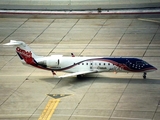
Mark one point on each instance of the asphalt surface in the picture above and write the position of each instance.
(25, 91)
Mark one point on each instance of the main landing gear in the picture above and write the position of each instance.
(144, 75)
(80, 76)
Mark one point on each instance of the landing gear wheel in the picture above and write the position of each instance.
(144, 75)
(79, 76)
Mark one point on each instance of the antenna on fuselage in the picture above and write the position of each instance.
(72, 55)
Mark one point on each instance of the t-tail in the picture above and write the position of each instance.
(24, 52)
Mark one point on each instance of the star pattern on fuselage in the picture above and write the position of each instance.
(136, 65)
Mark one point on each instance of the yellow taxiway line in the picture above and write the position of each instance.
(49, 109)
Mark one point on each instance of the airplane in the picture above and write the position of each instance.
(79, 66)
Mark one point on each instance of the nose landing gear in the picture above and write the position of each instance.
(144, 75)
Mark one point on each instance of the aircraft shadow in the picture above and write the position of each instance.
(75, 83)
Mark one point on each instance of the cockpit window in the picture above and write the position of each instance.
(141, 63)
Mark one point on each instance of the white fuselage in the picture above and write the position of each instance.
(80, 65)
(77, 64)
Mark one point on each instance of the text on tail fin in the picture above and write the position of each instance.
(23, 52)
(25, 55)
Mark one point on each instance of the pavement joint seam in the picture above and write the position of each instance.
(44, 99)
(15, 30)
(13, 56)
(116, 47)
(72, 114)
(43, 30)
(120, 97)
(64, 36)
(93, 37)
(14, 91)
(151, 41)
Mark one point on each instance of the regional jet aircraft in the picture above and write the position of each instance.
(79, 66)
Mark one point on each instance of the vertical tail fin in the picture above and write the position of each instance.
(23, 51)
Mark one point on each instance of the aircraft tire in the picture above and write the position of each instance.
(79, 76)
(144, 75)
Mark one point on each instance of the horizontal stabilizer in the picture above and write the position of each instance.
(15, 43)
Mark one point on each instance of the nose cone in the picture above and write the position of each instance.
(153, 68)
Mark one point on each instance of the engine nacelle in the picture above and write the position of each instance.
(52, 62)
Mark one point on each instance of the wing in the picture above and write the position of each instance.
(77, 73)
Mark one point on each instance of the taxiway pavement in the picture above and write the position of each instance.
(103, 96)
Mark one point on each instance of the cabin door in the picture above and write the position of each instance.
(93, 65)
